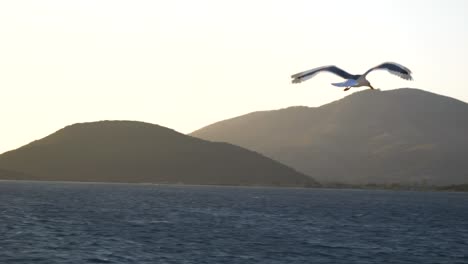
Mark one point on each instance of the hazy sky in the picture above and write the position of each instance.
(187, 64)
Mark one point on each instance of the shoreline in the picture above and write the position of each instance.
(463, 188)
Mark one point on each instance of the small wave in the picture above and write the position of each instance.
(98, 260)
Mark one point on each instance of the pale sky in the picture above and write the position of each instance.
(187, 64)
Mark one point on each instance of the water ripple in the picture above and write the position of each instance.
(119, 223)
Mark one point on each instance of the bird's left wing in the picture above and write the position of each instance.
(305, 75)
(394, 68)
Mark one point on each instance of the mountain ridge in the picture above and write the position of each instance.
(422, 133)
(130, 151)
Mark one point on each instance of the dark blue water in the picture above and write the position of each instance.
(119, 223)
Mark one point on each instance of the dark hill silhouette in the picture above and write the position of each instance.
(405, 136)
(125, 151)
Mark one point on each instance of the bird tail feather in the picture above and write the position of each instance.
(347, 83)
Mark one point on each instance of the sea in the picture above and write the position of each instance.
(57, 222)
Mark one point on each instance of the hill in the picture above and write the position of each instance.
(125, 151)
(405, 136)
(10, 175)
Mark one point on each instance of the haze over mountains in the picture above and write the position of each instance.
(125, 151)
(404, 136)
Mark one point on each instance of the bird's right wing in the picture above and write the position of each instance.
(305, 75)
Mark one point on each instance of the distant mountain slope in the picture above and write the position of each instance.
(399, 136)
(124, 151)
(10, 175)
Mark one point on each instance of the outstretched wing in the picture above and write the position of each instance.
(394, 68)
(305, 75)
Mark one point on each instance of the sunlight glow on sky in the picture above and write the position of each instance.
(187, 64)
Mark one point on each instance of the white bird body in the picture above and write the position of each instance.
(354, 80)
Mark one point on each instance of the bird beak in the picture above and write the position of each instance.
(371, 87)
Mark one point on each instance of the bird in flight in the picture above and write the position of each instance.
(351, 79)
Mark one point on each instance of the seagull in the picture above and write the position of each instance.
(354, 80)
